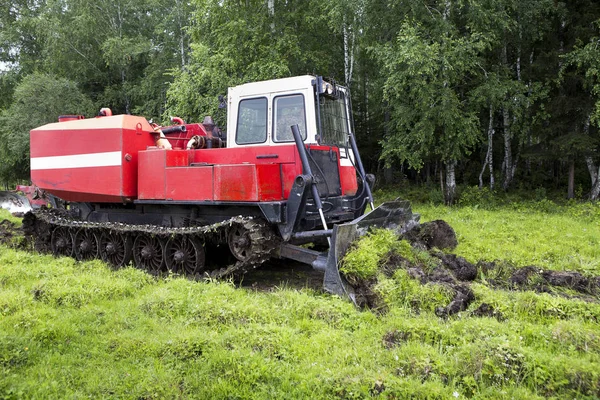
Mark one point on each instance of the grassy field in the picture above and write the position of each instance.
(73, 330)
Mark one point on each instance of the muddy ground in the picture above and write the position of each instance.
(456, 273)
(453, 272)
(10, 234)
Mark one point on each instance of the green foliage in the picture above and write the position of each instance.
(38, 100)
(402, 290)
(363, 261)
(477, 197)
(424, 74)
(5, 214)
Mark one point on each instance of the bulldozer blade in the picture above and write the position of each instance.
(333, 282)
(14, 203)
(395, 215)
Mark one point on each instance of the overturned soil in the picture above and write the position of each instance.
(456, 274)
(9, 232)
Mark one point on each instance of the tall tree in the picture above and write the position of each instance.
(428, 69)
(583, 62)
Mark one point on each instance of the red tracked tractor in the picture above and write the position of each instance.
(287, 172)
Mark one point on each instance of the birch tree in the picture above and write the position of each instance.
(425, 88)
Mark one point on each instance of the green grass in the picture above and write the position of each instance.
(79, 329)
(562, 238)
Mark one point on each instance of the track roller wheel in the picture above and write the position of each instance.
(248, 240)
(61, 242)
(85, 245)
(148, 253)
(115, 248)
(185, 255)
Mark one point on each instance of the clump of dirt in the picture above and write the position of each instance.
(486, 310)
(456, 273)
(6, 231)
(366, 296)
(435, 234)
(463, 296)
(11, 234)
(450, 273)
(38, 232)
(460, 268)
(394, 338)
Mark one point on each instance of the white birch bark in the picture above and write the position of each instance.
(180, 21)
(595, 192)
(450, 182)
(271, 8)
(489, 157)
(508, 162)
(593, 169)
(349, 38)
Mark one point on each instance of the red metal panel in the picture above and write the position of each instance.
(190, 183)
(79, 184)
(269, 182)
(93, 135)
(89, 160)
(250, 154)
(235, 182)
(152, 174)
(137, 136)
(289, 172)
(50, 140)
(348, 180)
(178, 158)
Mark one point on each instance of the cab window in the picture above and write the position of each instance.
(252, 121)
(288, 111)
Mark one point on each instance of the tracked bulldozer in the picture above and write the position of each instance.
(191, 199)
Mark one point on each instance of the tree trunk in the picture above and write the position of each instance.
(181, 23)
(595, 188)
(271, 8)
(508, 162)
(348, 35)
(442, 181)
(489, 157)
(388, 174)
(571, 190)
(592, 169)
(450, 183)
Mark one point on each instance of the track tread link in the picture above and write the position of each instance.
(40, 223)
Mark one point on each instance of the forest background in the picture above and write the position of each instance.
(503, 94)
